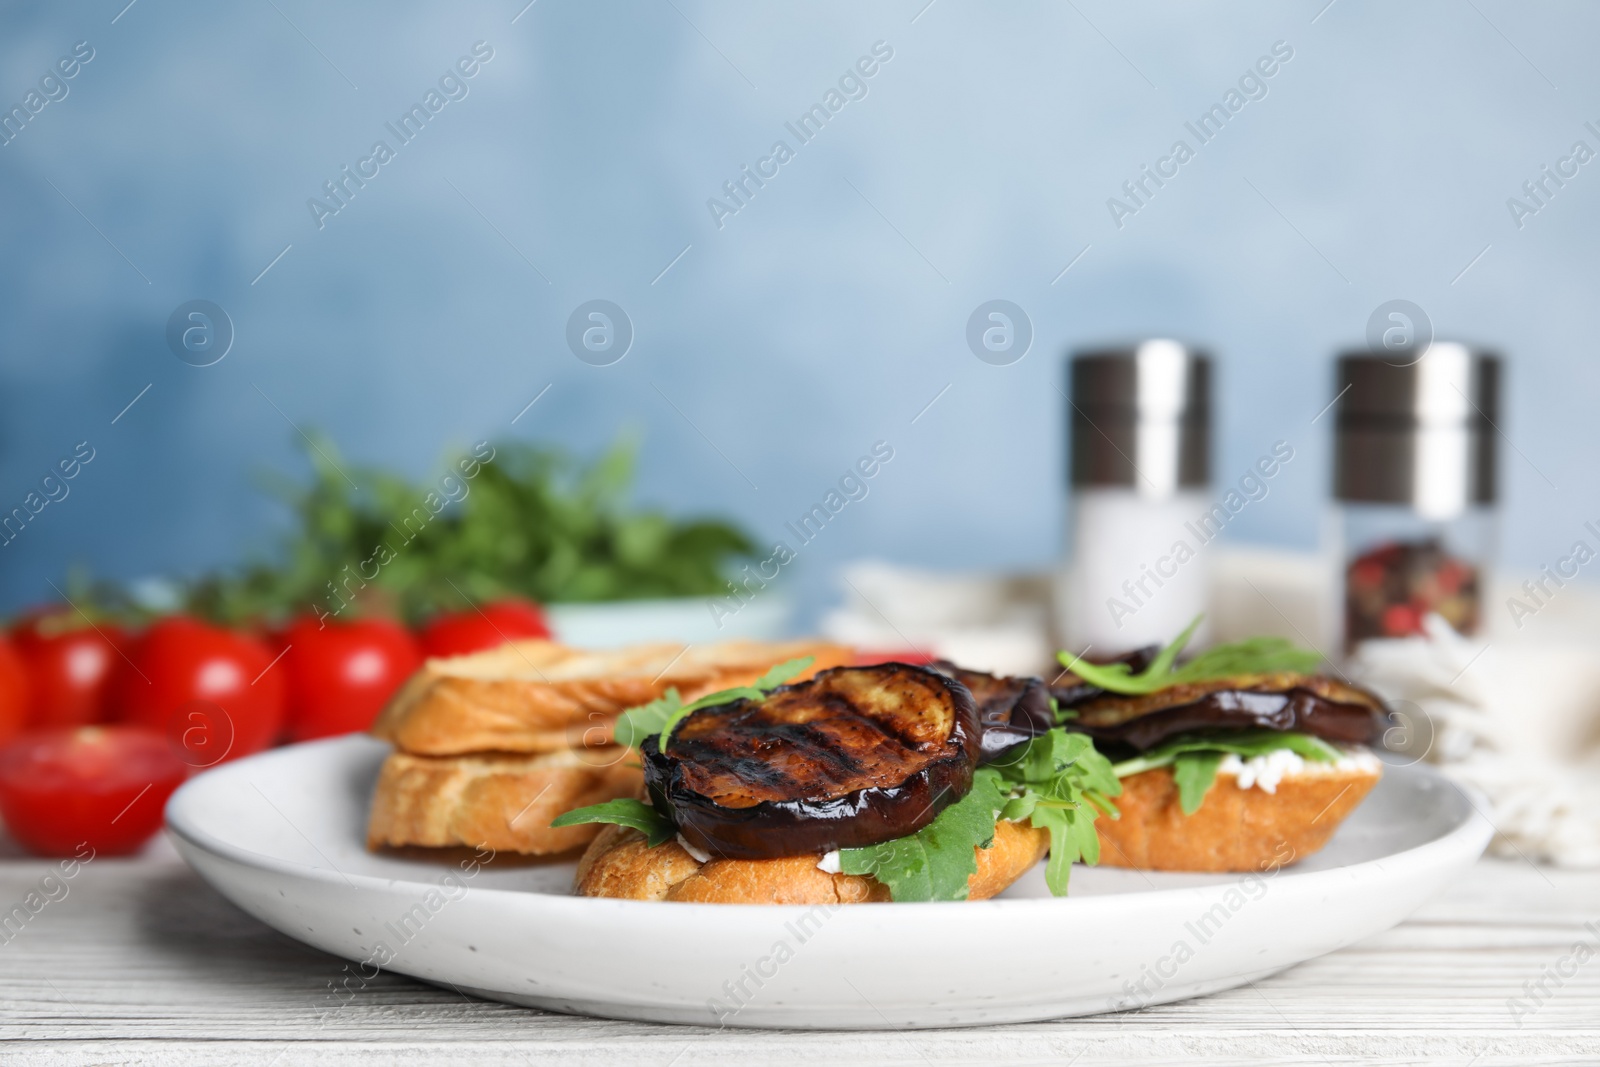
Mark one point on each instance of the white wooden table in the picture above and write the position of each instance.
(142, 963)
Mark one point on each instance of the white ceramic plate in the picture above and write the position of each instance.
(281, 835)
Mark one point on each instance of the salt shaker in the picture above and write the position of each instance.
(1139, 465)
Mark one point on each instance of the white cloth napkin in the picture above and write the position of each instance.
(1506, 717)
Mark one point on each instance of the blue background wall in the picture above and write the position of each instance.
(828, 312)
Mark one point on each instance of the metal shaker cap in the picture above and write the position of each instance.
(1140, 417)
(1417, 427)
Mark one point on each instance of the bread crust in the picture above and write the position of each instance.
(1234, 829)
(619, 864)
(539, 696)
(502, 802)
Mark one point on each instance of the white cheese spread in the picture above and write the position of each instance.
(1264, 772)
(702, 857)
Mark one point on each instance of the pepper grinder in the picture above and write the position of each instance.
(1415, 487)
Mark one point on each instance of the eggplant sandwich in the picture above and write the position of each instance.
(1240, 759)
(873, 783)
(912, 783)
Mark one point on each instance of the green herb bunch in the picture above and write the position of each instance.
(512, 519)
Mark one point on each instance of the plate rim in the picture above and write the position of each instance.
(1474, 825)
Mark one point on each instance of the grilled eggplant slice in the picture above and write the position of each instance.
(854, 757)
(1010, 710)
(1307, 703)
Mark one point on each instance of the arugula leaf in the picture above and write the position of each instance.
(1194, 773)
(1060, 783)
(935, 862)
(1056, 781)
(783, 672)
(1058, 760)
(1060, 714)
(646, 720)
(1072, 837)
(1194, 759)
(623, 811)
(1255, 655)
(662, 715)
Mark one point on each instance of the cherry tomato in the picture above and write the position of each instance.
(103, 787)
(1452, 575)
(69, 666)
(209, 689)
(457, 633)
(15, 686)
(340, 674)
(1367, 573)
(1402, 620)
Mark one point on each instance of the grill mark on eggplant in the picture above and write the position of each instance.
(805, 744)
(740, 759)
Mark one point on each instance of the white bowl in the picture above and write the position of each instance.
(689, 620)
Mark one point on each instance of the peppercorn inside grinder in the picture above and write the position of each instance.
(1415, 487)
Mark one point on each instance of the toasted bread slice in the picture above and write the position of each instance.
(1233, 829)
(502, 802)
(619, 864)
(538, 696)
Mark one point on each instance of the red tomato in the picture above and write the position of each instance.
(14, 689)
(208, 688)
(103, 787)
(457, 633)
(340, 674)
(1402, 620)
(69, 665)
(1452, 574)
(1367, 574)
